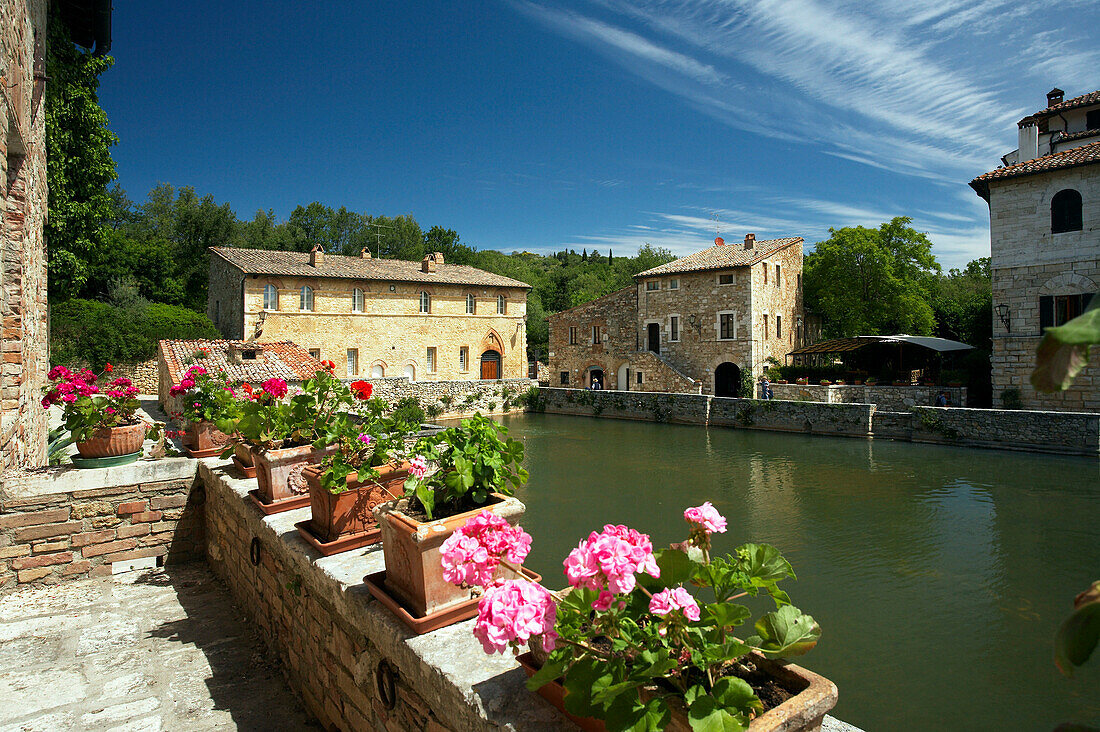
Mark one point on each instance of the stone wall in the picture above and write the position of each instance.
(618, 339)
(71, 524)
(1063, 433)
(456, 398)
(893, 398)
(333, 638)
(23, 308)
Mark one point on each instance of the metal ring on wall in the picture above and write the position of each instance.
(385, 681)
(254, 551)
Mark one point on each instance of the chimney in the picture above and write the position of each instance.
(428, 263)
(719, 242)
(750, 239)
(1055, 96)
(316, 256)
(438, 257)
(364, 253)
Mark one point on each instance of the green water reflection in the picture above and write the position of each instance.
(938, 574)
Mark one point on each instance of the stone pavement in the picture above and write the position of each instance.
(143, 651)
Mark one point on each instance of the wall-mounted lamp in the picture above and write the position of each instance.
(1002, 313)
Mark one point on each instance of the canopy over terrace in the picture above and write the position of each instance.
(844, 347)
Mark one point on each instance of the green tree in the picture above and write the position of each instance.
(873, 281)
(78, 160)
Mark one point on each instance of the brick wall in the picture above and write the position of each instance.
(72, 534)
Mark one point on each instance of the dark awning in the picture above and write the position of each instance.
(89, 23)
(843, 345)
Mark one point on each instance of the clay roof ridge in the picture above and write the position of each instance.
(725, 256)
(1082, 101)
(1075, 156)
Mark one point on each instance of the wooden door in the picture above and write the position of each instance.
(488, 369)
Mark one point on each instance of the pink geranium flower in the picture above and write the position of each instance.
(470, 556)
(418, 466)
(275, 387)
(706, 518)
(610, 560)
(513, 611)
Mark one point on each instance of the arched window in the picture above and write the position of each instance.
(501, 305)
(1065, 211)
(471, 305)
(357, 300)
(377, 371)
(271, 297)
(425, 302)
(305, 298)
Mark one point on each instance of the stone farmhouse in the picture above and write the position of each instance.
(23, 213)
(692, 325)
(427, 320)
(1044, 214)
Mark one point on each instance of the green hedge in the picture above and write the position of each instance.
(87, 331)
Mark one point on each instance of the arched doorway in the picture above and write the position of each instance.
(654, 337)
(622, 378)
(377, 371)
(727, 380)
(410, 372)
(490, 365)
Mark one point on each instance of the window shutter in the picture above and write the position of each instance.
(1046, 312)
(1086, 298)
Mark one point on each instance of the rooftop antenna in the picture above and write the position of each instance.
(716, 231)
(378, 235)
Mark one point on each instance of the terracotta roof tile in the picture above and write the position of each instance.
(281, 359)
(1082, 101)
(1084, 155)
(296, 264)
(1067, 136)
(722, 257)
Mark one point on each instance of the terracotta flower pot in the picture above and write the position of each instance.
(351, 511)
(203, 435)
(279, 471)
(243, 452)
(414, 575)
(113, 441)
(813, 697)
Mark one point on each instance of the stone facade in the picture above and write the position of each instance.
(1035, 269)
(60, 526)
(386, 331)
(722, 311)
(22, 245)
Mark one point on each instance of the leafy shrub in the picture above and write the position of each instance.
(408, 412)
(87, 331)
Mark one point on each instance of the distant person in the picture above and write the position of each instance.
(941, 399)
(765, 388)
(596, 385)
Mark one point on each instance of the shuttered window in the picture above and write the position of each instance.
(1055, 310)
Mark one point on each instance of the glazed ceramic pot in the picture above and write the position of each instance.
(113, 441)
(279, 471)
(351, 511)
(414, 575)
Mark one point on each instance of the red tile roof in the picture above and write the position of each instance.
(282, 359)
(1067, 136)
(722, 257)
(296, 264)
(1084, 155)
(1082, 101)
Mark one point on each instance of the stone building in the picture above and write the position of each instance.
(1044, 213)
(692, 325)
(426, 320)
(22, 244)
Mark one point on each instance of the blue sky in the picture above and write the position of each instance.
(539, 125)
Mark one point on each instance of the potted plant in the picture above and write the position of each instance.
(286, 432)
(365, 471)
(477, 468)
(839, 382)
(825, 382)
(204, 399)
(872, 381)
(629, 645)
(104, 424)
(803, 381)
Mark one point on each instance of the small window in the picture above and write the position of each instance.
(377, 371)
(565, 378)
(353, 362)
(725, 279)
(425, 302)
(471, 305)
(639, 376)
(1092, 120)
(271, 297)
(502, 305)
(431, 360)
(674, 328)
(249, 355)
(778, 326)
(1057, 310)
(652, 285)
(218, 312)
(725, 327)
(572, 335)
(765, 273)
(777, 277)
(1065, 211)
(357, 300)
(674, 284)
(765, 324)
(595, 335)
(305, 298)
(800, 281)
(463, 358)
(315, 353)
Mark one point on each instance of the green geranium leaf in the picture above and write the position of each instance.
(726, 614)
(785, 632)
(764, 564)
(1064, 350)
(676, 567)
(628, 714)
(706, 715)
(1080, 633)
(735, 695)
(550, 671)
(586, 677)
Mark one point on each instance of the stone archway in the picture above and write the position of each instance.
(727, 379)
(490, 365)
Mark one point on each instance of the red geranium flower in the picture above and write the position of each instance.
(362, 389)
(329, 365)
(108, 368)
(247, 387)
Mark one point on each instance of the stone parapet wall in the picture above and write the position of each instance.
(144, 374)
(71, 524)
(892, 398)
(332, 637)
(1064, 433)
(456, 398)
